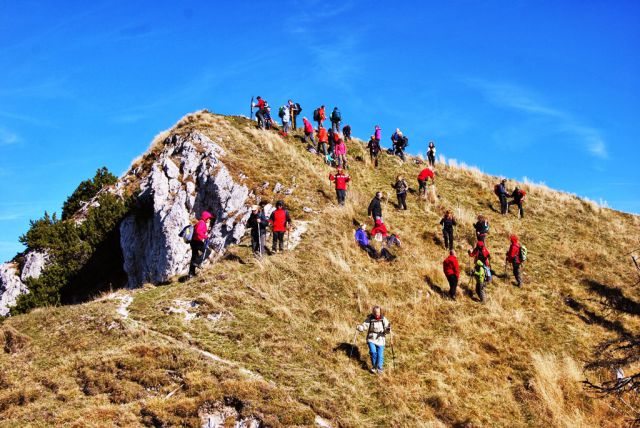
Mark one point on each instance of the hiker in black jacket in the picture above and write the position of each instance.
(447, 223)
(481, 227)
(518, 196)
(501, 192)
(401, 187)
(375, 209)
(258, 224)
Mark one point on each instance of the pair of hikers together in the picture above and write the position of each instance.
(279, 221)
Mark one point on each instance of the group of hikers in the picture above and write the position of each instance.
(331, 145)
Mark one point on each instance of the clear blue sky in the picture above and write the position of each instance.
(543, 89)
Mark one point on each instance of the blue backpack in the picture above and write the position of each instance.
(336, 116)
(187, 233)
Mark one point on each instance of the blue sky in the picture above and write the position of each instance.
(543, 89)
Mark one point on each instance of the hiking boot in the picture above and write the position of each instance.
(373, 370)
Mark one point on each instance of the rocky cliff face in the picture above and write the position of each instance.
(12, 281)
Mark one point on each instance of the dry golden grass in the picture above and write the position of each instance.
(289, 319)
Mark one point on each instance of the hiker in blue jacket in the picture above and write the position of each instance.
(336, 118)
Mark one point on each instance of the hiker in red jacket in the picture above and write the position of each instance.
(452, 272)
(340, 179)
(322, 116)
(279, 221)
(425, 175)
(481, 253)
(323, 140)
(199, 242)
(262, 108)
(308, 131)
(513, 256)
(379, 228)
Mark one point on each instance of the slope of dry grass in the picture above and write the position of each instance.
(281, 328)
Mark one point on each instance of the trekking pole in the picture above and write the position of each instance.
(251, 115)
(393, 352)
(288, 239)
(259, 239)
(353, 343)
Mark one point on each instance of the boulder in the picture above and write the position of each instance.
(10, 287)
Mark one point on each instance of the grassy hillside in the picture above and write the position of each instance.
(271, 338)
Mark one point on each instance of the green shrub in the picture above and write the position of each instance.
(87, 190)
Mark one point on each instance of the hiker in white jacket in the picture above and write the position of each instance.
(377, 327)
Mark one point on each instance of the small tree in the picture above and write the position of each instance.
(86, 190)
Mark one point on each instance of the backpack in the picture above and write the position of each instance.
(298, 108)
(522, 194)
(496, 189)
(281, 112)
(316, 115)
(187, 233)
(404, 142)
(335, 116)
(480, 274)
(523, 253)
(484, 227)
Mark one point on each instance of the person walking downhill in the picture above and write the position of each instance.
(258, 224)
(336, 118)
(323, 140)
(451, 270)
(199, 242)
(375, 208)
(279, 221)
(346, 132)
(516, 255)
(401, 187)
(500, 190)
(431, 154)
(340, 179)
(377, 327)
(285, 116)
(308, 131)
(481, 253)
(448, 223)
(517, 196)
(374, 150)
(340, 152)
(423, 177)
(482, 228)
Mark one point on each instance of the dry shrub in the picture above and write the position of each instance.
(12, 340)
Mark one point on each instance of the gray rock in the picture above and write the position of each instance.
(277, 188)
(10, 287)
(34, 263)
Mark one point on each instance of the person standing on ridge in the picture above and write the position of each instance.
(346, 132)
(481, 253)
(375, 208)
(374, 150)
(448, 223)
(451, 270)
(515, 257)
(279, 221)
(482, 228)
(294, 111)
(285, 115)
(308, 132)
(431, 154)
(500, 190)
(340, 179)
(401, 187)
(518, 196)
(336, 118)
(377, 327)
(377, 134)
(323, 139)
(340, 152)
(258, 224)
(423, 177)
(262, 109)
(199, 242)
(320, 116)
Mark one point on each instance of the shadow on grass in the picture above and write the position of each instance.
(353, 353)
(613, 297)
(436, 288)
(590, 317)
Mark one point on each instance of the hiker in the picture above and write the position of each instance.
(319, 116)
(481, 253)
(401, 187)
(346, 132)
(400, 142)
(515, 257)
(479, 273)
(374, 150)
(258, 224)
(377, 133)
(323, 139)
(448, 223)
(266, 117)
(262, 109)
(379, 228)
(431, 154)
(294, 111)
(377, 327)
(199, 242)
(451, 270)
(308, 131)
(340, 152)
(482, 228)
(336, 118)
(517, 196)
(341, 179)
(500, 190)
(423, 177)
(285, 115)
(279, 221)
(363, 241)
(375, 208)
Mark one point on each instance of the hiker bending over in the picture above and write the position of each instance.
(448, 223)
(482, 228)
(517, 198)
(479, 273)
(401, 187)
(431, 154)
(308, 131)
(374, 150)
(323, 140)
(340, 179)
(258, 224)
(375, 208)
(279, 222)
(336, 118)
(377, 327)
(481, 253)
(500, 190)
(262, 109)
(423, 177)
(346, 132)
(452, 272)
(340, 152)
(199, 242)
(400, 142)
(516, 255)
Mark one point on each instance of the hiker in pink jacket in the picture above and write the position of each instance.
(341, 153)
(378, 134)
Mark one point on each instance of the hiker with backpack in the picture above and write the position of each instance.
(279, 221)
(451, 270)
(323, 140)
(199, 242)
(319, 116)
(423, 177)
(375, 208)
(262, 109)
(448, 223)
(431, 154)
(400, 142)
(346, 132)
(258, 224)
(480, 274)
(285, 116)
(500, 190)
(340, 152)
(377, 327)
(401, 187)
(294, 111)
(517, 198)
(482, 228)
(308, 132)
(340, 179)
(481, 253)
(336, 118)
(516, 255)
(374, 150)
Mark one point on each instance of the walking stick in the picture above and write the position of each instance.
(506, 272)
(251, 115)
(259, 239)
(288, 239)
(393, 352)
(353, 343)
